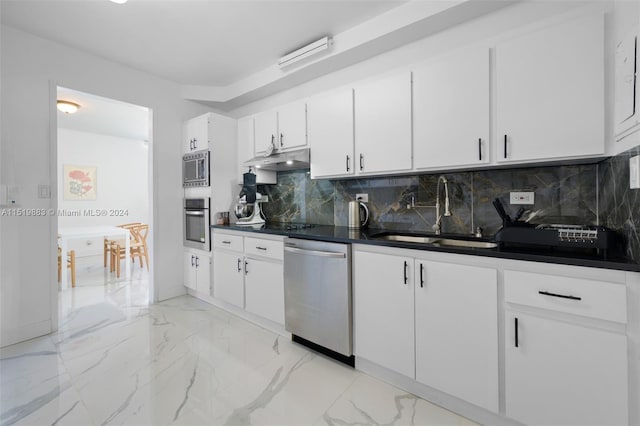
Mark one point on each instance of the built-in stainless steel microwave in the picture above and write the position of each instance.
(195, 169)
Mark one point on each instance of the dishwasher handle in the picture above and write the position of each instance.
(320, 253)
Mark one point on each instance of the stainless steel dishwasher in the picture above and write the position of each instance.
(317, 296)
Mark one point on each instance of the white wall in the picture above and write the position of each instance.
(121, 182)
(30, 68)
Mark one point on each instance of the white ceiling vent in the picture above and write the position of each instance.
(304, 52)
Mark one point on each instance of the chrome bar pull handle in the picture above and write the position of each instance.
(406, 278)
(239, 262)
(361, 162)
(479, 149)
(421, 275)
(516, 332)
(348, 163)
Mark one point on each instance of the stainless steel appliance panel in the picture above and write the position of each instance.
(195, 169)
(197, 223)
(317, 285)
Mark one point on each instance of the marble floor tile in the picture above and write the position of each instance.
(117, 361)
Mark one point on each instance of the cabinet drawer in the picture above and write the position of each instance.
(228, 242)
(265, 248)
(579, 296)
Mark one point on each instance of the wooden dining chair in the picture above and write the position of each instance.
(138, 247)
(108, 243)
(71, 264)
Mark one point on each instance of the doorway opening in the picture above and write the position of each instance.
(104, 198)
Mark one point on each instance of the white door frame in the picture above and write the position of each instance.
(53, 220)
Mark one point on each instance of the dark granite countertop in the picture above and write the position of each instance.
(343, 234)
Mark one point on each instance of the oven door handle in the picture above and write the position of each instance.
(315, 252)
(194, 213)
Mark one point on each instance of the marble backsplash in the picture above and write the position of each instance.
(619, 206)
(581, 194)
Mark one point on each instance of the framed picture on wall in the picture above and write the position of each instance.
(79, 182)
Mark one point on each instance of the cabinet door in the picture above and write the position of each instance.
(457, 331)
(451, 111)
(384, 323)
(190, 270)
(200, 132)
(292, 126)
(564, 374)
(245, 152)
(330, 121)
(203, 272)
(264, 289)
(383, 125)
(187, 138)
(550, 92)
(228, 282)
(266, 131)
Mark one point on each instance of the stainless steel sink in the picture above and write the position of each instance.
(439, 241)
(407, 238)
(465, 243)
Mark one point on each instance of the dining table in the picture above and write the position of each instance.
(67, 234)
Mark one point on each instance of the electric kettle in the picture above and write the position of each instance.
(358, 214)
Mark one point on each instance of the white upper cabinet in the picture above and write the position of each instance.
(292, 126)
(550, 92)
(286, 127)
(265, 131)
(330, 122)
(383, 125)
(195, 134)
(451, 111)
(245, 152)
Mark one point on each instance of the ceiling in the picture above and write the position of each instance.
(104, 116)
(224, 53)
(190, 42)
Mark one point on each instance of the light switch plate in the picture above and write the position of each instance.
(521, 197)
(44, 191)
(634, 172)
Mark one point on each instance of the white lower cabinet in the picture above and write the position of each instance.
(197, 271)
(435, 318)
(566, 350)
(432, 321)
(564, 374)
(228, 277)
(249, 273)
(456, 317)
(383, 298)
(264, 289)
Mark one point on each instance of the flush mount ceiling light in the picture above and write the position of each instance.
(119, 1)
(67, 107)
(304, 52)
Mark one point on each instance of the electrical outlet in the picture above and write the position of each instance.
(363, 197)
(521, 197)
(634, 172)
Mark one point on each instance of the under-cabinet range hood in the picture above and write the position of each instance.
(290, 160)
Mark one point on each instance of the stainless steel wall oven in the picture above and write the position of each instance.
(197, 223)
